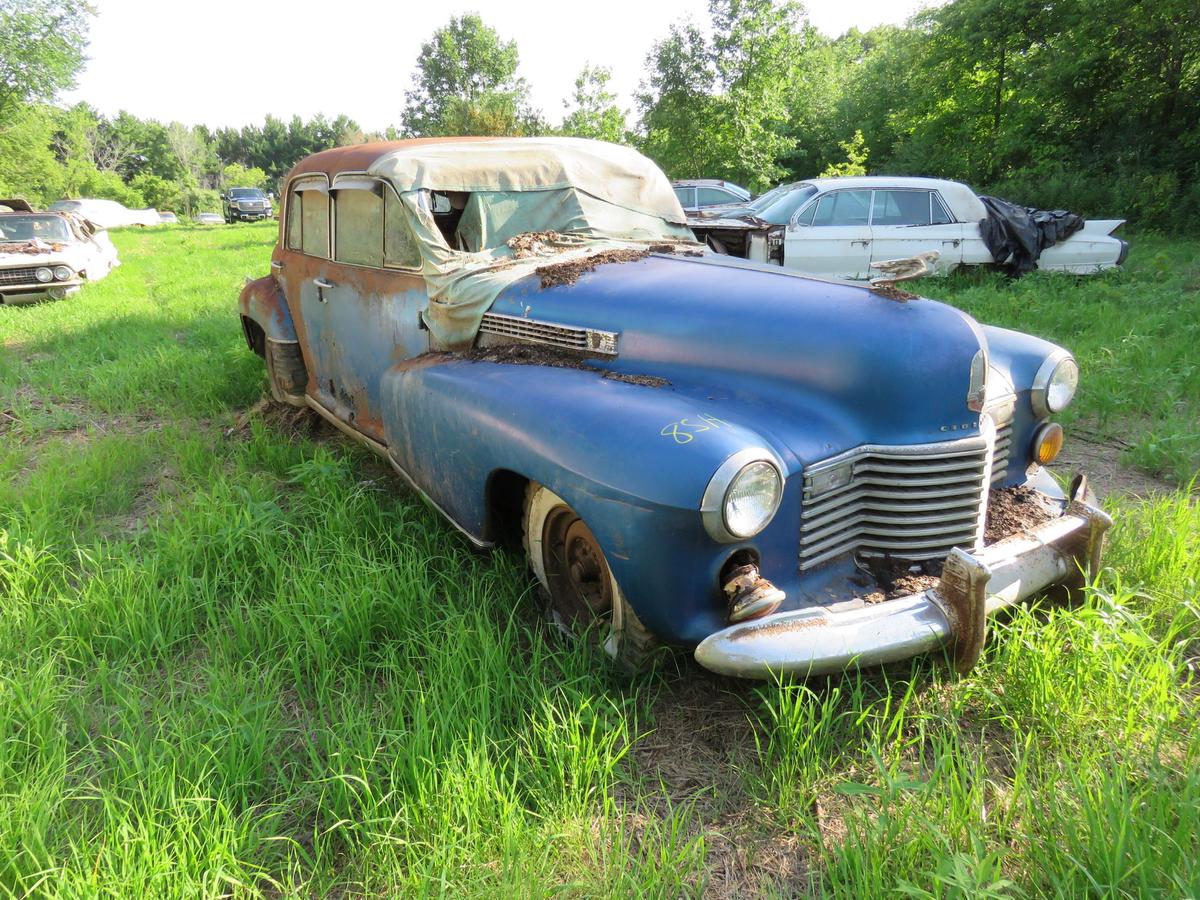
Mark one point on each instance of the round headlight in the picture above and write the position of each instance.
(752, 499)
(62, 273)
(43, 275)
(1054, 385)
(743, 495)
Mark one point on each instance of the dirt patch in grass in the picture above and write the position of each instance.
(1100, 460)
(702, 742)
(293, 421)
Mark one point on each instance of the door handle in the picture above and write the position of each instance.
(953, 243)
(864, 243)
(277, 265)
(322, 287)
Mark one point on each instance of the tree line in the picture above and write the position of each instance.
(1092, 105)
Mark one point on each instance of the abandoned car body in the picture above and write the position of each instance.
(47, 256)
(840, 227)
(525, 330)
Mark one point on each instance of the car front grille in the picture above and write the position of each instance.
(1003, 448)
(906, 502)
(23, 275)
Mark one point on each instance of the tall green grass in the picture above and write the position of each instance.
(238, 661)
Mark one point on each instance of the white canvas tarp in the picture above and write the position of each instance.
(594, 196)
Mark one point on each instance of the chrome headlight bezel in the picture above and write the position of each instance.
(714, 504)
(1059, 372)
(44, 274)
(63, 273)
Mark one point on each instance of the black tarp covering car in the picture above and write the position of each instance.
(1017, 235)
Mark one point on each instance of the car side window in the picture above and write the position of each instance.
(937, 212)
(713, 196)
(844, 208)
(314, 223)
(358, 226)
(400, 248)
(293, 221)
(807, 214)
(901, 208)
(686, 195)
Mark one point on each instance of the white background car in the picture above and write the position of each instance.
(49, 255)
(108, 213)
(839, 226)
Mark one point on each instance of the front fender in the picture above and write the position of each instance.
(263, 302)
(632, 460)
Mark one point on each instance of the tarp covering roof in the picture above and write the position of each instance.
(610, 172)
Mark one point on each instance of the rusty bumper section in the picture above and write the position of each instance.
(952, 615)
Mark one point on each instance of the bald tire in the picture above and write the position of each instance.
(627, 641)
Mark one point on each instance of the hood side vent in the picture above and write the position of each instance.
(516, 329)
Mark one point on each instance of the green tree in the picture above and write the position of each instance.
(718, 108)
(856, 159)
(237, 175)
(466, 83)
(41, 49)
(592, 109)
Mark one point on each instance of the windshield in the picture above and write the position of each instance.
(27, 228)
(779, 204)
(246, 194)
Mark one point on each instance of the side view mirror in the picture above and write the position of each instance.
(223, 197)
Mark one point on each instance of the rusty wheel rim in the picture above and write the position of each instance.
(576, 571)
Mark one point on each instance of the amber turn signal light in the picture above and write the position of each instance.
(1047, 443)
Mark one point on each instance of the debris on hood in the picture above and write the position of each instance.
(33, 247)
(568, 271)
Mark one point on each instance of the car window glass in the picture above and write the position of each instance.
(713, 196)
(806, 214)
(687, 196)
(901, 208)
(358, 227)
(293, 221)
(314, 223)
(399, 244)
(937, 212)
(843, 208)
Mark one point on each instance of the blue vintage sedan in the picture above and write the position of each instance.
(787, 474)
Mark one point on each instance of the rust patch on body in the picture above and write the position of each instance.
(889, 291)
(1013, 510)
(787, 626)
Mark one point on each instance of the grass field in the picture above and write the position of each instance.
(236, 658)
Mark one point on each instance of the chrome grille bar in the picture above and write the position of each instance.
(23, 275)
(912, 502)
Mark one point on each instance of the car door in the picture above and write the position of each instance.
(357, 279)
(905, 222)
(831, 236)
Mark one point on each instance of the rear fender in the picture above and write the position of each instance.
(263, 302)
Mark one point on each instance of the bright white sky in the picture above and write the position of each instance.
(230, 62)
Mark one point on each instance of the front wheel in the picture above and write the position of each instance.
(583, 594)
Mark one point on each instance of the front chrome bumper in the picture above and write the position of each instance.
(21, 294)
(953, 615)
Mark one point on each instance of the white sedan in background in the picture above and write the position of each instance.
(840, 227)
(49, 255)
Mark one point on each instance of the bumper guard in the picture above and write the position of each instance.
(953, 614)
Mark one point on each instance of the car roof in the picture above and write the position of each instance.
(963, 203)
(707, 182)
(359, 157)
(613, 173)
